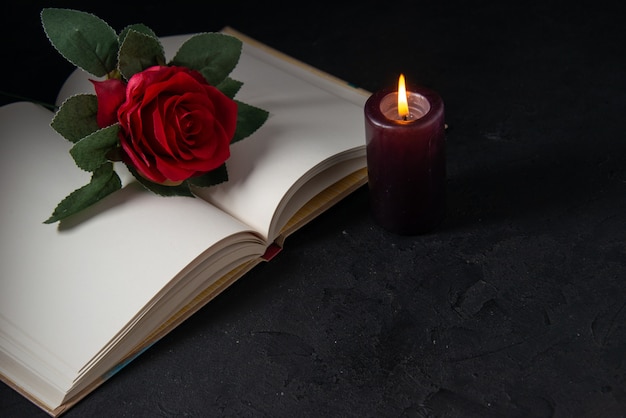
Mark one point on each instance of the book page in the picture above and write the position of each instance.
(67, 289)
(314, 123)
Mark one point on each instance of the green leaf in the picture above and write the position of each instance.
(104, 181)
(76, 118)
(161, 190)
(91, 152)
(138, 52)
(217, 176)
(249, 119)
(137, 27)
(229, 87)
(83, 39)
(215, 55)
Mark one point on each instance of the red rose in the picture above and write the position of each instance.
(174, 125)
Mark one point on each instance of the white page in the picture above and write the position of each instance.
(70, 290)
(307, 126)
(303, 131)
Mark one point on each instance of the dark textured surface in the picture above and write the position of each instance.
(515, 307)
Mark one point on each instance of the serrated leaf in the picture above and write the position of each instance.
(217, 176)
(161, 190)
(83, 39)
(104, 181)
(215, 55)
(249, 119)
(229, 87)
(137, 27)
(138, 52)
(77, 117)
(91, 152)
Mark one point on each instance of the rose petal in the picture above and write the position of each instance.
(111, 94)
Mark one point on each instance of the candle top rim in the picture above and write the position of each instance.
(418, 106)
(376, 116)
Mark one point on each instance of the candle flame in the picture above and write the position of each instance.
(403, 105)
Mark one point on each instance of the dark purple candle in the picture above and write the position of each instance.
(406, 159)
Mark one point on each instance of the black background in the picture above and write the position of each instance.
(515, 307)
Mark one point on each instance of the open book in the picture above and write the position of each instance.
(81, 299)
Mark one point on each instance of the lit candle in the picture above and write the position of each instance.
(405, 139)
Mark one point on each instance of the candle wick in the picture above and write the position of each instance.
(405, 117)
